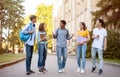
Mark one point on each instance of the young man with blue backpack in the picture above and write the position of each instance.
(27, 35)
(62, 35)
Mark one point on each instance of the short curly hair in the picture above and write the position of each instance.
(63, 21)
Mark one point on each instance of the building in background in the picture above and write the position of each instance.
(74, 12)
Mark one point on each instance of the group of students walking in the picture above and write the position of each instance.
(62, 35)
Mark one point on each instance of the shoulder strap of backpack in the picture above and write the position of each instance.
(57, 32)
(31, 28)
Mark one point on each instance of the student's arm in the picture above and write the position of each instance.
(35, 36)
(39, 39)
(105, 43)
(25, 29)
(38, 36)
(68, 35)
(105, 40)
(93, 35)
(76, 35)
(88, 38)
(45, 38)
(55, 35)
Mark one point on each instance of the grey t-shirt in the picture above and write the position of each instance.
(62, 35)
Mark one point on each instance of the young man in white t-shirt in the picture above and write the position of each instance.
(99, 44)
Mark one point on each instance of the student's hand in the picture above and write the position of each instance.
(82, 42)
(52, 32)
(45, 38)
(30, 32)
(79, 43)
(72, 35)
(97, 36)
(54, 36)
(105, 47)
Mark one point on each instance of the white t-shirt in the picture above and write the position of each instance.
(98, 42)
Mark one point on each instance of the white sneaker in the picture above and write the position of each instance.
(78, 70)
(60, 71)
(63, 70)
(82, 71)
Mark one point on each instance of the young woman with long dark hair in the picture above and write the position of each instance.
(82, 33)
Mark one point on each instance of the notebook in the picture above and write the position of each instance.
(81, 39)
(42, 36)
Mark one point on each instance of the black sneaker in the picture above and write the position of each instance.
(93, 69)
(28, 73)
(100, 72)
(32, 71)
(44, 69)
(41, 70)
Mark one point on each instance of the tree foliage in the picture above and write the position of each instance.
(11, 12)
(110, 11)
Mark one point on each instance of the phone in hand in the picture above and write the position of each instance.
(97, 36)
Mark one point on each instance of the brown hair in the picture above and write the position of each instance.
(84, 26)
(32, 17)
(41, 27)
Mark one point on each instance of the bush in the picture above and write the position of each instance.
(89, 46)
(113, 45)
(3, 50)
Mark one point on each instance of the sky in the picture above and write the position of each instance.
(30, 5)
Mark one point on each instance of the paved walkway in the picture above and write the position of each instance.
(18, 70)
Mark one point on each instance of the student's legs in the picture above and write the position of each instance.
(84, 47)
(93, 53)
(29, 52)
(78, 56)
(100, 54)
(44, 56)
(59, 50)
(40, 55)
(64, 54)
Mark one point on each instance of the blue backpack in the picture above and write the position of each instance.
(25, 37)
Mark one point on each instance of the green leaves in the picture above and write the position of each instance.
(11, 17)
(110, 11)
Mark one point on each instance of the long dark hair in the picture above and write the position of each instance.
(84, 25)
(41, 27)
(102, 22)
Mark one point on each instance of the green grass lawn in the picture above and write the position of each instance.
(105, 60)
(10, 57)
(112, 60)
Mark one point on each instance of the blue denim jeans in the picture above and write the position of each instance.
(81, 51)
(42, 54)
(29, 53)
(61, 56)
(100, 54)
